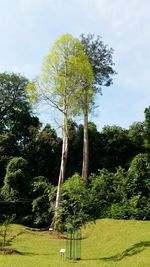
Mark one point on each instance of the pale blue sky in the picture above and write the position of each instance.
(29, 27)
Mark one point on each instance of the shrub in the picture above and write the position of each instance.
(43, 195)
(137, 187)
(15, 192)
(75, 204)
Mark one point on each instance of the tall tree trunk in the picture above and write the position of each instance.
(62, 167)
(85, 148)
(64, 156)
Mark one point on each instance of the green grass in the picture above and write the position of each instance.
(108, 243)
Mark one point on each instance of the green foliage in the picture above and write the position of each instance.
(123, 195)
(138, 178)
(100, 58)
(43, 195)
(12, 98)
(31, 92)
(75, 204)
(43, 154)
(17, 124)
(137, 187)
(118, 148)
(8, 149)
(75, 149)
(117, 211)
(8, 145)
(106, 189)
(111, 192)
(136, 133)
(110, 148)
(65, 70)
(16, 179)
(15, 191)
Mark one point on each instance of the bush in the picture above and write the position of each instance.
(16, 179)
(138, 176)
(15, 192)
(117, 211)
(137, 187)
(106, 189)
(43, 195)
(75, 204)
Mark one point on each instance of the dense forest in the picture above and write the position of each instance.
(119, 165)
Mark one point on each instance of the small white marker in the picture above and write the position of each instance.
(62, 252)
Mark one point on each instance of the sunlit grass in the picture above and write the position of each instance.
(107, 243)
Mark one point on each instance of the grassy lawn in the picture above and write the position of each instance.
(107, 243)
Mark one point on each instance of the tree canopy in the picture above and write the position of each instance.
(12, 97)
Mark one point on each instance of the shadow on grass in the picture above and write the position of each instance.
(25, 253)
(133, 250)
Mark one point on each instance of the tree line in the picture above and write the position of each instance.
(119, 166)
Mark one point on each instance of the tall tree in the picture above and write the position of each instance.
(17, 123)
(100, 58)
(12, 97)
(85, 99)
(63, 72)
(15, 110)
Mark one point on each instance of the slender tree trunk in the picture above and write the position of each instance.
(62, 167)
(63, 162)
(64, 154)
(85, 148)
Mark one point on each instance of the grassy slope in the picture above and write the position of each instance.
(107, 243)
